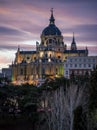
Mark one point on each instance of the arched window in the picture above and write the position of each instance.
(34, 58)
(21, 71)
(50, 40)
(56, 71)
(46, 55)
(59, 57)
(43, 70)
(32, 71)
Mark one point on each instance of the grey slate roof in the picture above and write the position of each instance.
(27, 52)
(74, 51)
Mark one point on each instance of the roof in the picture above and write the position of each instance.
(74, 51)
(51, 30)
(27, 52)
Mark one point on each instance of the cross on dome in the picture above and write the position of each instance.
(51, 10)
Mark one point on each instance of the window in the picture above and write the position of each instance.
(56, 71)
(59, 57)
(46, 55)
(75, 65)
(50, 40)
(80, 65)
(70, 60)
(50, 69)
(93, 60)
(89, 65)
(66, 72)
(43, 71)
(84, 65)
(66, 65)
(32, 70)
(37, 69)
(75, 59)
(94, 65)
(84, 60)
(89, 60)
(70, 65)
(21, 72)
(28, 57)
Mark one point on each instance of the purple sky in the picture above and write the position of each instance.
(22, 22)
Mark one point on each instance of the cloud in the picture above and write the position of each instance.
(87, 32)
(9, 31)
(83, 32)
(88, 27)
(4, 60)
(2, 2)
(12, 46)
(22, 22)
(10, 36)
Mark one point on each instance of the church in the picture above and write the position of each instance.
(47, 61)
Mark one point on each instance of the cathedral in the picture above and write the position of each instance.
(47, 61)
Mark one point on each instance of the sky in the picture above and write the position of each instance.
(22, 22)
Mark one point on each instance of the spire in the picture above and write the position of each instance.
(86, 48)
(73, 38)
(18, 48)
(86, 51)
(12, 62)
(52, 20)
(73, 44)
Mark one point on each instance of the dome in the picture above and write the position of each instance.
(51, 30)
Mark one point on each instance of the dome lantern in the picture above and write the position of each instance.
(52, 20)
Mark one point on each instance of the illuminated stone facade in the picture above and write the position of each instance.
(47, 60)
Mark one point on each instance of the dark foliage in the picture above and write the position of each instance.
(80, 122)
(18, 102)
(93, 90)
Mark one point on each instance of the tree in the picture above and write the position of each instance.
(7, 101)
(75, 96)
(61, 105)
(93, 99)
(80, 119)
(19, 102)
(93, 90)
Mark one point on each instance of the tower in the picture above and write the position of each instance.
(51, 49)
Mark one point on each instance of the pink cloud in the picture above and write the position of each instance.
(26, 19)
